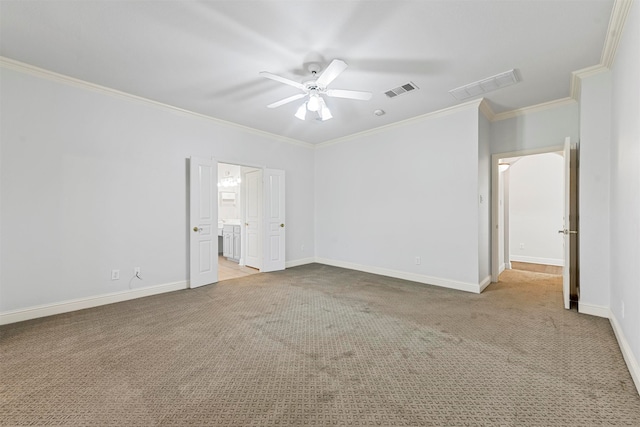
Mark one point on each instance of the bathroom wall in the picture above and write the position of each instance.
(228, 210)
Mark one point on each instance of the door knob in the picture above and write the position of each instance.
(196, 229)
(282, 225)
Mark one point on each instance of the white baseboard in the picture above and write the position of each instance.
(629, 358)
(486, 282)
(89, 302)
(436, 281)
(537, 260)
(502, 268)
(594, 310)
(301, 261)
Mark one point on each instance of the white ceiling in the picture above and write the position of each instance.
(205, 56)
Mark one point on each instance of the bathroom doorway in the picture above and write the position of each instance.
(239, 221)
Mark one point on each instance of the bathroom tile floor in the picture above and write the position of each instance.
(231, 270)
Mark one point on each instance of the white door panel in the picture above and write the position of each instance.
(274, 202)
(253, 221)
(203, 215)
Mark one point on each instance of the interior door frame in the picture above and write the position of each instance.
(495, 200)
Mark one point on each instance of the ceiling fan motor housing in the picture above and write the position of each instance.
(313, 63)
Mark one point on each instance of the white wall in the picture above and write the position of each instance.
(93, 182)
(386, 197)
(503, 176)
(625, 188)
(228, 210)
(537, 129)
(536, 209)
(484, 199)
(594, 182)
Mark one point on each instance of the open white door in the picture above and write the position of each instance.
(252, 182)
(274, 205)
(566, 277)
(203, 213)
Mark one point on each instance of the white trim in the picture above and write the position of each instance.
(72, 81)
(495, 205)
(502, 268)
(89, 302)
(301, 261)
(594, 310)
(413, 277)
(627, 354)
(486, 109)
(530, 152)
(614, 31)
(435, 114)
(486, 282)
(577, 76)
(537, 260)
(534, 109)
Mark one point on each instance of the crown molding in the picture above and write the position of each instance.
(486, 109)
(618, 18)
(577, 76)
(435, 114)
(534, 108)
(82, 84)
(619, 15)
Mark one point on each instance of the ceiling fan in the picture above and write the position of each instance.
(314, 89)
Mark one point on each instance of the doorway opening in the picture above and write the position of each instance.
(531, 203)
(239, 221)
(534, 200)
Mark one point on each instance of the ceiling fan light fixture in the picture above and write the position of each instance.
(325, 113)
(314, 102)
(302, 111)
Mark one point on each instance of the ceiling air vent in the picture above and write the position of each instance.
(489, 84)
(408, 87)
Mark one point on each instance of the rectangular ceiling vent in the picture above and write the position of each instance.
(489, 84)
(408, 87)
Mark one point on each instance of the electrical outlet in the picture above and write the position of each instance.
(115, 274)
(136, 271)
(418, 260)
(521, 245)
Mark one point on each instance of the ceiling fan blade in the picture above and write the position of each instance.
(349, 94)
(281, 80)
(286, 100)
(334, 69)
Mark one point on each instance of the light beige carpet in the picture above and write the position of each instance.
(318, 345)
